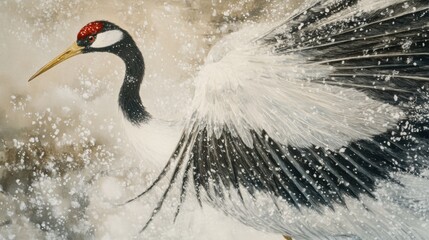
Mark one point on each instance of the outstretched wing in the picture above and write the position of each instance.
(313, 111)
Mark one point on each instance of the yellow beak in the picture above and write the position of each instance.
(73, 50)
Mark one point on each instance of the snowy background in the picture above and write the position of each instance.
(65, 162)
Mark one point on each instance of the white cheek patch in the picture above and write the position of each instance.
(108, 38)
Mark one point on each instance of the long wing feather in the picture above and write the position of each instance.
(319, 109)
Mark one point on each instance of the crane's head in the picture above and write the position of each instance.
(98, 36)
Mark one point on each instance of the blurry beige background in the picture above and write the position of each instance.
(61, 136)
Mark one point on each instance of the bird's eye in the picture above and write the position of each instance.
(91, 39)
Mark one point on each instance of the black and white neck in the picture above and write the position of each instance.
(129, 96)
(113, 39)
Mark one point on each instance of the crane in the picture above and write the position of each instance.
(311, 117)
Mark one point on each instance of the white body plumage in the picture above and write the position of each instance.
(244, 87)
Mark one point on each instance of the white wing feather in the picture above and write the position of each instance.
(283, 117)
(251, 88)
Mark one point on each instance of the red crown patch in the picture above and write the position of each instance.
(91, 28)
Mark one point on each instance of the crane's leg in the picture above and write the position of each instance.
(287, 237)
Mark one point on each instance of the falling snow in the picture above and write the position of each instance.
(66, 163)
